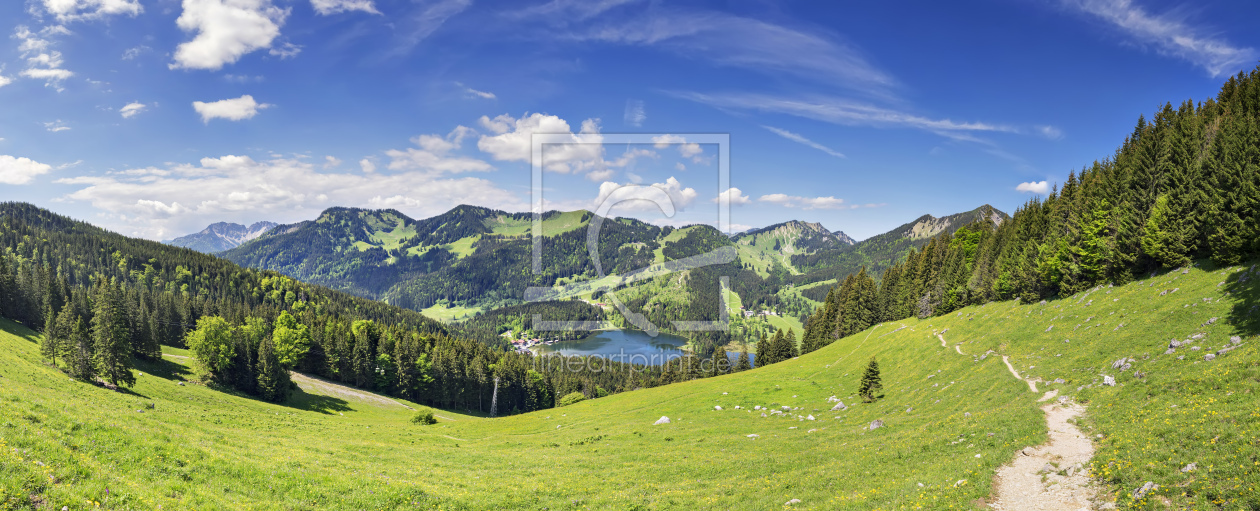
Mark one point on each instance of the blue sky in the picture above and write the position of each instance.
(157, 117)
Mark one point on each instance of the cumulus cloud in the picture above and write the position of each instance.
(56, 126)
(686, 149)
(331, 162)
(236, 109)
(71, 10)
(20, 171)
(42, 63)
(4, 80)
(681, 197)
(1040, 188)
(131, 109)
(578, 152)
(735, 195)
(158, 203)
(225, 31)
(328, 7)
(367, 166)
(1170, 34)
(796, 201)
(285, 51)
(434, 155)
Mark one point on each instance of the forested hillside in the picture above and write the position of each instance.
(104, 300)
(881, 251)
(1184, 186)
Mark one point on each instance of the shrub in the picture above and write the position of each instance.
(424, 418)
(567, 400)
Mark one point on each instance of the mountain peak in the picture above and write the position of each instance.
(221, 236)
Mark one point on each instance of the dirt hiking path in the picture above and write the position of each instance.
(1051, 476)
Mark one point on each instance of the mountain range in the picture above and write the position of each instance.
(221, 236)
(480, 258)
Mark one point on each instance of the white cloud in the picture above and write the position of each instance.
(680, 166)
(717, 38)
(796, 201)
(42, 62)
(131, 109)
(680, 196)
(686, 149)
(71, 10)
(841, 111)
(328, 7)
(736, 196)
(235, 109)
(1040, 188)
(1169, 34)
(802, 140)
(434, 155)
(474, 93)
(635, 114)
(56, 126)
(4, 80)
(331, 162)
(285, 51)
(426, 20)
(19, 171)
(159, 203)
(580, 151)
(367, 166)
(226, 30)
(132, 53)
(1050, 132)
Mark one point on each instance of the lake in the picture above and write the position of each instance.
(630, 346)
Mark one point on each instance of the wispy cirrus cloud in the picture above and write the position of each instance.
(802, 140)
(839, 111)
(717, 38)
(1170, 34)
(426, 19)
(472, 93)
(797, 201)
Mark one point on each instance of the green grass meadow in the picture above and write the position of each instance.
(950, 421)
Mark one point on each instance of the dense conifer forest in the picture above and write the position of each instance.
(1184, 186)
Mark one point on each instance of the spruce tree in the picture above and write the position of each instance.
(80, 358)
(110, 339)
(273, 379)
(763, 351)
(870, 385)
(743, 364)
(49, 345)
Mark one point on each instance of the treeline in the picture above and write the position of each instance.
(103, 300)
(1183, 186)
(519, 319)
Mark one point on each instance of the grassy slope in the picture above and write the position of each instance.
(204, 449)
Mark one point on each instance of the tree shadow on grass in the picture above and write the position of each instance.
(318, 403)
(19, 330)
(1244, 291)
(163, 369)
